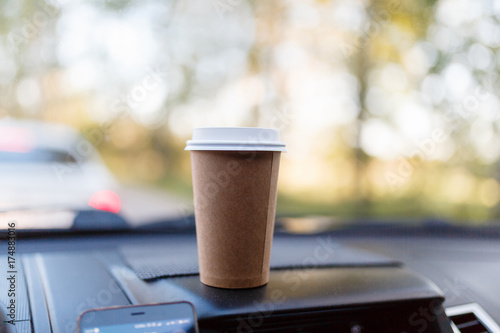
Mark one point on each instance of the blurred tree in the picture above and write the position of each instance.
(467, 43)
(372, 48)
(195, 42)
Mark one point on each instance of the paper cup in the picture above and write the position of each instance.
(235, 175)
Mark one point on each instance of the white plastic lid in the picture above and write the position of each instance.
(235, 139)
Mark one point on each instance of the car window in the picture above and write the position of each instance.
(389, 109)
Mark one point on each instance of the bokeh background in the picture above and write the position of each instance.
(389, 109)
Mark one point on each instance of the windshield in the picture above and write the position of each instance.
(389, 109)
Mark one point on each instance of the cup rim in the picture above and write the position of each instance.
(236, 139)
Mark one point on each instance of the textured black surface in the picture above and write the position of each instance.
(38, 306)
(178, 256)
(21, 297)
(465, 268)
(73, 283)
(288, 291)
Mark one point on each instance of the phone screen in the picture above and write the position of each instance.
(157, 318)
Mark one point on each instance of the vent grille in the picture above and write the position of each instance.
(471, 318)
(468, 322)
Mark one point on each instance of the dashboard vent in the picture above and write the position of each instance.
(471, 318)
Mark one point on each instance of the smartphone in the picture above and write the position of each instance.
(179, 317)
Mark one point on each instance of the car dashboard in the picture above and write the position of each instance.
(419, 283)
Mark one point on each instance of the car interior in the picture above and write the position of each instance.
(156, 154)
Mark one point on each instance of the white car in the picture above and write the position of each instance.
(50, 165)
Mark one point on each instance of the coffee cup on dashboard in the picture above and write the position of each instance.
(235, 178)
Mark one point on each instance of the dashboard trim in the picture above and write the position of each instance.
(36, 295)
(478, 311)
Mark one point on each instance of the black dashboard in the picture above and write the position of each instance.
(62, 276)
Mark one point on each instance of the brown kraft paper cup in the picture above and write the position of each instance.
(235, 205)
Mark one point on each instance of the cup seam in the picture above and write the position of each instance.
(267, 214)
